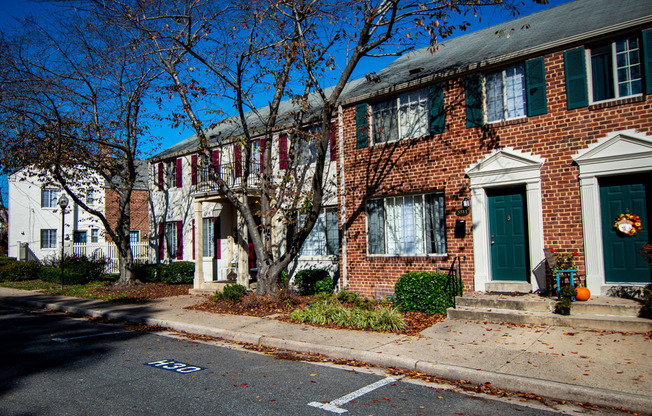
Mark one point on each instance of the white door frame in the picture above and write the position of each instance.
(619, 153)
(502, 168)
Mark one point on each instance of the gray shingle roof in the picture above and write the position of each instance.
(557, 27)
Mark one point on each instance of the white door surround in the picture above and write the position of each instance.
(619, 153)
(502, 168)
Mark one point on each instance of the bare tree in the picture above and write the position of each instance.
(289, 50)
(73, 108)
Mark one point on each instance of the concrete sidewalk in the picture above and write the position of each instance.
(604, 368)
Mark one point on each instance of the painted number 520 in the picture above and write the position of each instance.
(172, 365)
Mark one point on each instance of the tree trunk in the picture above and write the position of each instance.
(268, 280)
(125, 262)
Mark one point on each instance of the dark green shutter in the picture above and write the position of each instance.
(535, 84)
(647, 59)
(575, 67)
(473, 92)
(361, 126)
(437, 115)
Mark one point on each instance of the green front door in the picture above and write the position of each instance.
(508, 228)
(623, 260)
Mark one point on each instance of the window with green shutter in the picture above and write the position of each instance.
(473, 92)
(535, 80)
(647, 59)
(575, 68)
(437, 116)
(361, 126)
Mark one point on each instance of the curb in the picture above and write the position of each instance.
(545, 388)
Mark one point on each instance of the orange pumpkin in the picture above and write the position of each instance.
(583, 293)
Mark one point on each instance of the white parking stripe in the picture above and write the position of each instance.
(88, 336)
(334, 406)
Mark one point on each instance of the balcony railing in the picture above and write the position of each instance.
(230, 175)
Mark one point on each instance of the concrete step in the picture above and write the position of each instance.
(595, 306)
(575, 320)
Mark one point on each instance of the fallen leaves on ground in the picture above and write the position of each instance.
(142, 292)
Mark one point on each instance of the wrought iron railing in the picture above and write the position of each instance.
(231, 174)
(454, 281)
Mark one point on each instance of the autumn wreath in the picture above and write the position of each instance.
(628, 224)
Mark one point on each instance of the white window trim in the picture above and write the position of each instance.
(405, 255)
(399, 126)
(614, 66)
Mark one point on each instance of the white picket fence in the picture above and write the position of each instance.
(141, 252)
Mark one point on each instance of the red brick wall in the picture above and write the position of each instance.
(439, 163)
(139, 211)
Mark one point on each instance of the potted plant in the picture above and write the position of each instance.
(566, 296)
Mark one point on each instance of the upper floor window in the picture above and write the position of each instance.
(615, 70)
(171, 174)
(402, 117)
(90, 196)
(505, 94)
(411, 224)
(49, 197)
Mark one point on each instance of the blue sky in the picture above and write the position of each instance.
(171, 136)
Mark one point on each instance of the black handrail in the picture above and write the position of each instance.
(452, 279)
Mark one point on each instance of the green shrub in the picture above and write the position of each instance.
(646, 310)
(91, 268)
(53, 275)
(426, 292)
(147, 272)
(178, 272)
(7, 260)
(19, 271)
(353, 299)
(329, 312)
(231, 293)
(313, 281)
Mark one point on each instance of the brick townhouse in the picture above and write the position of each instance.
(534, 134)
(530, 135)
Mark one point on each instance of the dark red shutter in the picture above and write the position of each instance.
(179, 175)
(179, 240)
(161, 241)
(193, 170)
(161, 176)
(193, 239)
(252, 256)
(333, 143)
(237, 153)
(216, 160)
(262, 154)
(283, 151)
(216, 236)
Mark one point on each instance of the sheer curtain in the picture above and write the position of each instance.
(413, 114)
(384, 121)
(515, 91)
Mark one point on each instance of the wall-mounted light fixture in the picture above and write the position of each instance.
(466, 203)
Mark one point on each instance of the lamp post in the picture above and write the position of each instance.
(63, 203)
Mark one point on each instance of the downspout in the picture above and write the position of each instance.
(344, 281)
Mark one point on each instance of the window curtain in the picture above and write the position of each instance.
(332, 232)
(515, 91)
(435, 224)
(494, 94)
(385, 121)
(376, 226)
(208, 237)
(393, 226)
(413, 114)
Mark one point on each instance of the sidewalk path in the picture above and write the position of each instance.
(603, 368)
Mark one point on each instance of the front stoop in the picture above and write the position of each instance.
(601, 312)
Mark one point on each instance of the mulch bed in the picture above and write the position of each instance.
(143, 292)
(415, 322)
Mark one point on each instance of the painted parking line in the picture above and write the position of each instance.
(89, 336)
(334, 406)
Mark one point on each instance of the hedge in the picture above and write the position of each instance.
(427, 292)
